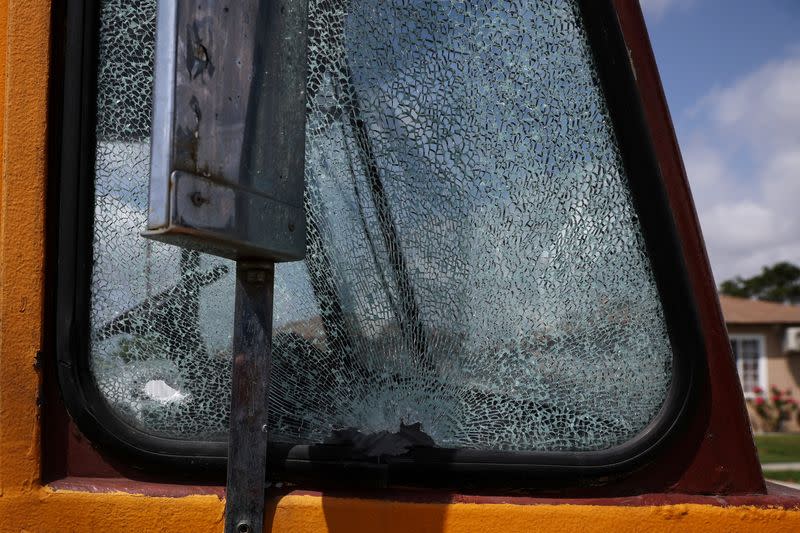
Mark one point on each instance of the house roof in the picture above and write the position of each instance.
(744, 311)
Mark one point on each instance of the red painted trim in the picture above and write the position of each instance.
(778, 495)
(713, 454)
(726, 461)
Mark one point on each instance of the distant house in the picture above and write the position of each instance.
(765, 338)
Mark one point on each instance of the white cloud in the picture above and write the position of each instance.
(741, 227)
(654, 10)
(781, 181)
(707, 169)
(750, 213)
(762, 108)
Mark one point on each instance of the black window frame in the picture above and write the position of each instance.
(72, 183)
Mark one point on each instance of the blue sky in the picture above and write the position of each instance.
(731, 72)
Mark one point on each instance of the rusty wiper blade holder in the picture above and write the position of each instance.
(227, 178)
(207, 216)
(228, 141)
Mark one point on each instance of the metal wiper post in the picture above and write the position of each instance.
(252, 358)
(227, 178)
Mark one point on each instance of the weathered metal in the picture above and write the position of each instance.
(227, 178)
(228, 128)
(252, 355)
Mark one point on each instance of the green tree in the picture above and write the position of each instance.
(777, 283)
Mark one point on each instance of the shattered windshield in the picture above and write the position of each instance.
(476, 276)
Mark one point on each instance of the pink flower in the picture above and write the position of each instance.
(759, 401)
(776, 398)
(758, 390)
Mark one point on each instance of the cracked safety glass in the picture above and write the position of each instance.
(476, 275)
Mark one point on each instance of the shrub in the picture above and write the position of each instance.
(775, 408)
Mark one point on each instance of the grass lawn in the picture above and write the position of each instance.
(783, 475)
(779, 448)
